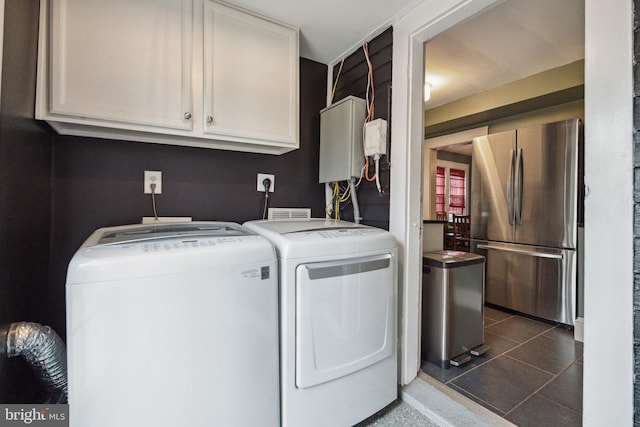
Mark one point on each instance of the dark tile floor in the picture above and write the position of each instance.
(532, 374)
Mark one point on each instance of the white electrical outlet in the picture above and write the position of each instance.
(152, 177)
(262, 177)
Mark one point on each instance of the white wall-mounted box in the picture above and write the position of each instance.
(341, 152)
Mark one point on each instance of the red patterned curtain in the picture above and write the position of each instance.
(456, 191)
(440, 188)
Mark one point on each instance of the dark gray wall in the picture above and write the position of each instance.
(55, 190)
(98, 183)
(374, 207)
(25, 196)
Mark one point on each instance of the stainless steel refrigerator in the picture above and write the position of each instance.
(524, 212)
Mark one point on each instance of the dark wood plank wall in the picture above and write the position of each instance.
(636, 213)
(374, 207)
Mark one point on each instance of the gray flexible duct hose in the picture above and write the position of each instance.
(43, 349)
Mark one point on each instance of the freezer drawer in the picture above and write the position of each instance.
(532, 280)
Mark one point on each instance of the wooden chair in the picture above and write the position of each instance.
(448, 239)
(461, 233)
(448, 231)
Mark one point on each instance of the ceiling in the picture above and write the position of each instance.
(330, 29)
(515, 39)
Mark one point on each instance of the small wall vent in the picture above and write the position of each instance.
(289, 213)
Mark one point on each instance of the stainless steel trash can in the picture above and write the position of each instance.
(452, 307)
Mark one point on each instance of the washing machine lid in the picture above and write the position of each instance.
(319, 237)
(143, 232)
(136, 251)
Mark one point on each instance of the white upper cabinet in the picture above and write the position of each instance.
(184, 72)
(250, 65)
(122, 61)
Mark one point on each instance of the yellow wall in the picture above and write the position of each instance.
(548, 96)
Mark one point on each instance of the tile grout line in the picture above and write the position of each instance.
(528, 364)
(460, 390)
(541, 387)
(543, 397)
(462, 374)
(500, 320)
(484, 362)
(502, 414)
(527, 340)
(502, 354)
(553, 376)
(535, 367)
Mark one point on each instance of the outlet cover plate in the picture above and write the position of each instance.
(262, 177)
(150, 177)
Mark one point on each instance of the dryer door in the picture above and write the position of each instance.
(344, 313)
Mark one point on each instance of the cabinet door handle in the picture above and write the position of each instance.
(209, 120)
(187, 115)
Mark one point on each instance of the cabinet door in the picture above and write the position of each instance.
(250, 76)
(123, 61)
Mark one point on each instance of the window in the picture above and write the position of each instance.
(451, 188)
(457, 190)
(440, 190)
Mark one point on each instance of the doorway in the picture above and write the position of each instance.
(608, 388)
(457, 112)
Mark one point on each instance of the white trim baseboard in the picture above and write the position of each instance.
(578, 329)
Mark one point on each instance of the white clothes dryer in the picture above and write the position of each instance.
(337, 319)
(173, 325)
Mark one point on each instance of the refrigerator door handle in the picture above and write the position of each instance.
(519, 187)
(510, 178)
(521, 251)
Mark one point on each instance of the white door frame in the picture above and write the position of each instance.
(608, 348)
(608, 303)
(410, 31)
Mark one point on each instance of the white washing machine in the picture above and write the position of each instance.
(173, 325)
(337, 320)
